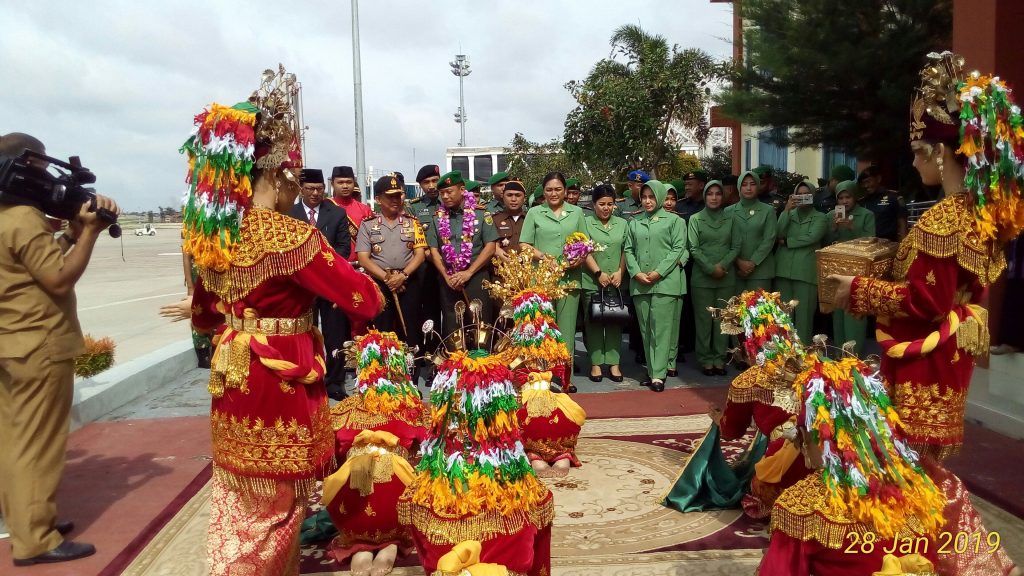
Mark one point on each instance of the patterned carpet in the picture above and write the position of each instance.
(608, 519)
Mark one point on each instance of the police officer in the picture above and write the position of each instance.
(423, 209)
(890, 212)
(391, 248)
(629, 205)
(497, 184)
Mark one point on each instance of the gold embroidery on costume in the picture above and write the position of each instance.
(369, 511)
(357, 299)
(878, 297)
(756, 385)
(328, 257)
(932, 416)
(445, 531)
(948, 229)
(930, 278)
(349, 413)
(347, 539)
(271, 245)
(550, 448)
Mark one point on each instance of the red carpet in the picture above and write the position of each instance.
(643, 403)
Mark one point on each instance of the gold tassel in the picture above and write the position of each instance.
(361, 474)
(972, 336)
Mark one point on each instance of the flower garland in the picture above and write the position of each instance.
(579, 246)
(871, 471)
(458, 261)
(992, 139)
(383, 374)
(474, 460)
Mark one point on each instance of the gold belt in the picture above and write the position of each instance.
(271, 326)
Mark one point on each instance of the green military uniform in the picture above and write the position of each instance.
(846, 327)
(801, 232)
(755, 222)
(677, 311)
(482, 235)
(604, 340)
(656, 242)
(714, 239)
(547, 232)
(496, 205)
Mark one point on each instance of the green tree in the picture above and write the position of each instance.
(718, 164)
(836, 72)
(634, 106)
(530, 161)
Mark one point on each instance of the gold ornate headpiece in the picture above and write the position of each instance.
(935, 111)
(277, 130)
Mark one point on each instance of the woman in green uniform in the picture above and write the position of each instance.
(856, 222)
(671, 199)
(714, 244)
(654, 247)
(801, 231)
(607, 270)
(544, 231)
(755, 223)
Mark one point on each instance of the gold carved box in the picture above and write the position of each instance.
(861, 257)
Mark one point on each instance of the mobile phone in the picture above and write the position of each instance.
(803, 199)
(840, 212)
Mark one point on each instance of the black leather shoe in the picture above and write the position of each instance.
(64, 527)
(708, 371)
(615, 378)
(720, 372)
(672, 372)
(67, 550)
(597, 378)
(657, 386)
(571, 389)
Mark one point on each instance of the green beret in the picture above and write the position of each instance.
(763, 171)
(846, 186)
(697, 175)
(453, 178)
(572, 184)
(497, 178)
(842, 173)
(472, 185)
(678, 184)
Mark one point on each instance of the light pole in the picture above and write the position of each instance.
(460, 68)
(357, 79)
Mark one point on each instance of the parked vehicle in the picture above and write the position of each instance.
(149, 230)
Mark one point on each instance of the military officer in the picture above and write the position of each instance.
(509, 221)
(629, 205)
(693, 194)
(497, 184)
(890, 211)
(391, 248)
(461, 269)
(825, 197)
(800, 232)
(423, 209)
(572, 191)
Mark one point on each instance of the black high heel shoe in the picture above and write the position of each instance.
(597, 378)
(657, 385)
(613, 377)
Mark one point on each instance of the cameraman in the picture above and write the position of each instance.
(39, 339)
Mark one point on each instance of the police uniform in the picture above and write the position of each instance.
(392, 245)
(889, 209)
(423, 209)
(484, 234)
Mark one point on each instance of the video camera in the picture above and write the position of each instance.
(59, 193)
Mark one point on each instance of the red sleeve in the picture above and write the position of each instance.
(332, 277)
(736, 419)
(205, 316)
(928, 293)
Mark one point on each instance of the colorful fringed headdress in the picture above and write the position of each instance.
(227, 142)
(383, 374)
(869, 468)
(770, 339)
(978, 112)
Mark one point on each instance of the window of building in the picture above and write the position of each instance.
(770, 152)
(832, 157)
(746, 154)
(502, 163)
(461, 163)
(483, 168)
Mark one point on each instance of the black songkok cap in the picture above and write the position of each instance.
(343, 172)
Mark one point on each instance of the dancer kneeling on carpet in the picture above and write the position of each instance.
(762, 394)
(259, 274)
(362, 498)
(551, 426)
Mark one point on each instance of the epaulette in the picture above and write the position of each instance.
(415, 200)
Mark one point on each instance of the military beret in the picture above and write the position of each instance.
(497, 178)
(312, 176)
(515, 185)
(763, 171)
(449, 179)
(388, 184)
(697, 175)
(572, 184)
(428, 171)
(842, 173)
(343, 172)
(472, 185)
(638, 176)
(868, 172)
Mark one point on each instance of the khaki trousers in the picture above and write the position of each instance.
(35, 408)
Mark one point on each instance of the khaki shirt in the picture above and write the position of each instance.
(509, 228)
(391, 244)
(29, 316)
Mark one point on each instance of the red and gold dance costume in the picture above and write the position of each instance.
(550, 421)
(387, 400)
(362, 496)
(930, 323)
(474, 481)
(259, 273)
(356, 212)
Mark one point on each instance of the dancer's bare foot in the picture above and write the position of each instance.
(539, 466)
(361, 563)
(384, 561)
(561, 467)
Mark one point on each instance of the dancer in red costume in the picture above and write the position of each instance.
(259, 272)
(966, 135)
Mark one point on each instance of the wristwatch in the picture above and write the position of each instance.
(70, 240)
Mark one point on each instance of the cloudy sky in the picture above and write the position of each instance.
(118, 83)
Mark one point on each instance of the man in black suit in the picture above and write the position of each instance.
(333, 222)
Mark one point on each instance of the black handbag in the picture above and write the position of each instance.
(608, 307)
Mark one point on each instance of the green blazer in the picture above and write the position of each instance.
(804, 229)
(547, 233)
(656, 243)
(613, 238)
(713, 241)
(863, 225)
(755, 222)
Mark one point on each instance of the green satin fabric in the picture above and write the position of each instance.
(707, 482)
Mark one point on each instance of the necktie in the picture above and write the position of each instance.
(312, 217)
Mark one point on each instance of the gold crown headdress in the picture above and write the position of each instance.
(935, 110)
